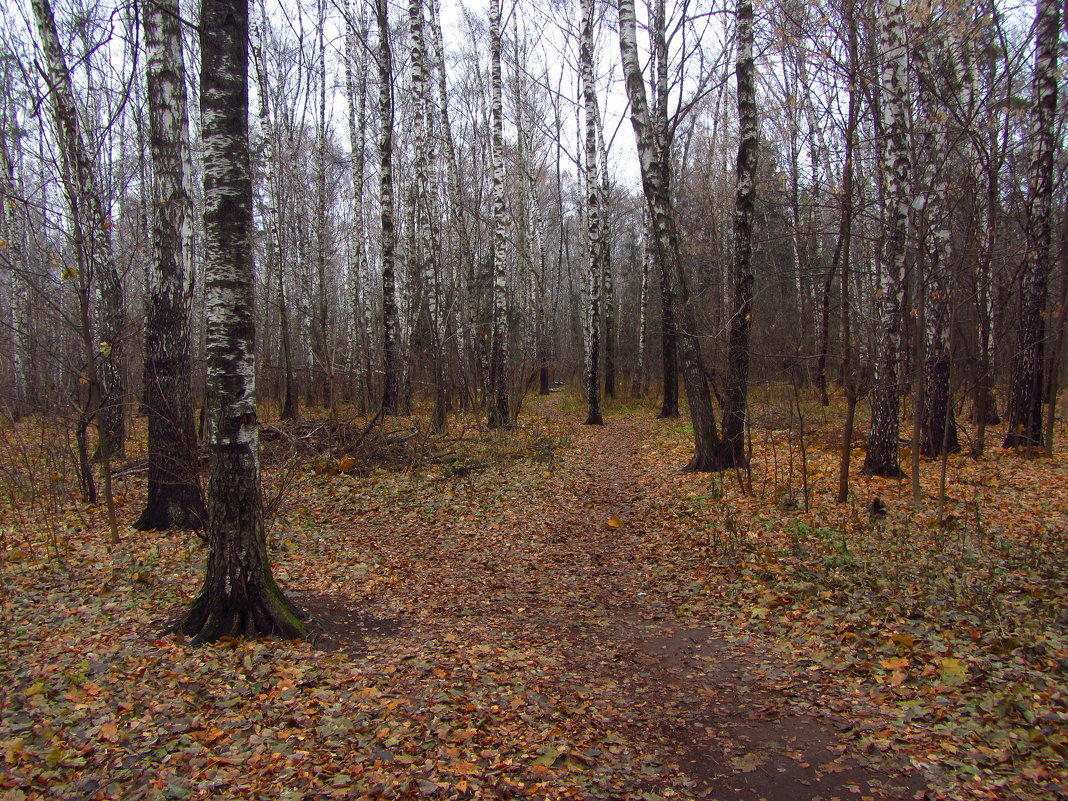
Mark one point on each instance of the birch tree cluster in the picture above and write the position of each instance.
(457, 205)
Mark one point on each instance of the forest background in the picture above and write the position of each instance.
(849, 237)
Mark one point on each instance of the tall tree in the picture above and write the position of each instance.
(841, 258)
(591, 323)
(271, 211)
(321, 340)
(356, 90)
(669, 332)
(1025, 389)
(608, 290)
(391, 382)
(425, 255)
(497, 400)
(744, 201)
(654, 169)
(882, 458)
(22, 397)
(638, 383)
(174, 496)
(92, 223)
(239, 596)
(938, 430)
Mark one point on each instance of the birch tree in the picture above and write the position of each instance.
(669, 334)
(174, 496)
(654, 170)
(91, 227)
(591, 323)
(745, 194)
(938, 431)
(356, 91)
(425, 254)
(1024, 417)
(882, 457)
(271, 210)
(391, 379)
(239, 596)
(321, 339)
(497, 397)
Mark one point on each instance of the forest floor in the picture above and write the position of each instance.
(552, 613)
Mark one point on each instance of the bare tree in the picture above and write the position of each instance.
(745, 194)
(174, 496)
(497, 400)
(91, 228)
(356, 91)
(391, 381)
(239, 596)
(591, 321)
(1025, 389)
(654, 171)
(882, 457)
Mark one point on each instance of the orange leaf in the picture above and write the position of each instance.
(466, 768)
(109, 732)
(897, 663)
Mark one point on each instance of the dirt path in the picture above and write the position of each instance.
(631, 700)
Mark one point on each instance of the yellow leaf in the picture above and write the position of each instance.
(35, 689)
(953, 671)
(614, 522)
(904, 638)
(13, 749)
(897, 663)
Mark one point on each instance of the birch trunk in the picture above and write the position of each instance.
(174, 495)
(841, 257)
(882, 458)
(669, 339)
(240, 596)
(271, 213)
(425, 256)
(13, 228)
(591, 322)
(391, 381)
(654, 169)
(938, 429)
(745, 195)
(1025, 390)
(457, 243)
(498, 406)
(356, 89)
(322, 347)
(637, 389)
(608, 301)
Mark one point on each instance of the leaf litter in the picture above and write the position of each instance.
(574, 619)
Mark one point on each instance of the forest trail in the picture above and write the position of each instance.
(630, 699)
(554, 613)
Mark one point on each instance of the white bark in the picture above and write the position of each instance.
(882, 456)
(498, 402)
(591, 321)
